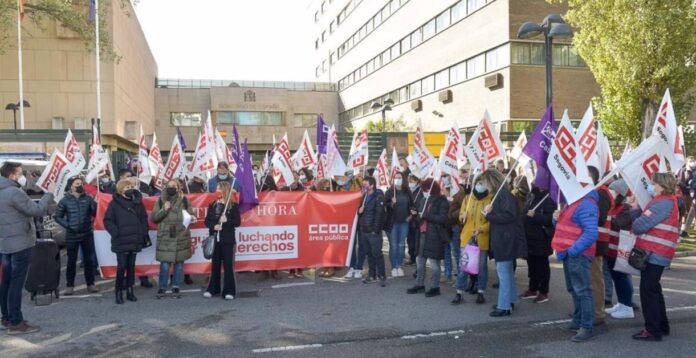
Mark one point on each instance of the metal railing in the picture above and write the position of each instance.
(292, 86)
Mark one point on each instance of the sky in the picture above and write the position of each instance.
(230, 39)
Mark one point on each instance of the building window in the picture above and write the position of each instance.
(316, 16)
(130, 131)
(416, 38)
(332, 58)
(80, 123)
(476, 66)
(406, 44)
(304, 120)
(386, 11)
(377, 19)
(403, 94)
(415, 89)
(316, 44)
(458, 73)
(497, 58)
(520, 53)
(429, 30)
(442, 79)
(251, 118)
(443, 20)
(537, 54)
(332, 26)
(370, 66)
(185, 119)
(574, 58)
(428, 85)
(323, 7)
(323, 36)
(323, 66)
(474, 5)
(395, 51)
(458, 11)
(560, 55)
(386, 57)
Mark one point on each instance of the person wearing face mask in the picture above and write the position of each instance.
(173, 238)
(196, 185)
(371, 220)
(475, 229)
(223, 174)
(106, 185)
(17, 212)
(398, 204)
(306, 178)
(417, 202)
(75, 212)
(657, 233)
(351, 182)
(126, 221)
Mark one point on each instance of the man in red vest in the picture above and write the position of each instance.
(575, 242)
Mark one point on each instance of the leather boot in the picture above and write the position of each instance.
(130, 296)
(119, 296)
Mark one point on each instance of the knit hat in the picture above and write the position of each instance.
(619, 186)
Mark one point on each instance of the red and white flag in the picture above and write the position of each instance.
(281, 161)
(627, 150)
(58, 171)
(566, 163)
(144, 174)
(421, 155)
(586, 138)
(382, 171)
(155, 163)
(484, 140)
(98, 159)
(395, 166)
(176, 163)
(638, 166)
(666, 128)
(223, 152)
(606, 159)
(204, 159)
(321, 167)
(304, 157)
(449, 157)
(358, 154)
(73, 153)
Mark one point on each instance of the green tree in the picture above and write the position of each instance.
(72, 14)
(636, 49)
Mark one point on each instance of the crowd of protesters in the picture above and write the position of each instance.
(426, 223)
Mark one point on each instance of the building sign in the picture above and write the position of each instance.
(249, 96)
(250, 106)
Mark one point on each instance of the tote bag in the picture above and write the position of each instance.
(627, 241)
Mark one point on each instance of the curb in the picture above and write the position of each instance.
(685, 253)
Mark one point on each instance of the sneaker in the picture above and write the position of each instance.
(369, 280)
(613, 309)
(161, 293)
(22, 328)
(394, 273)
(500, 313)
(229, 297)
(415, 289)
(350, 273)
(69, 291)
(528, 295)
(175, 292)
(400, 272)
(432, 292)
(624, 312)
(644, 335)
(583, 335)
(357, 274)
(5, 324)
(541, 298)
(92, 289)
(207, 294)
(571, 326)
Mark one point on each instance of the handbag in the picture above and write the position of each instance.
(209, 246)
(627, 241)
(469, 261)
(147, 242)
(638, 259)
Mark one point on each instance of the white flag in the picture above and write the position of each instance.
(627, 150)
(666, 128)
(566, 163)
(282, 162)
(382, 171)
(395, 167)
(334, 162)
(144, 174)
(304, 156)
(155, 163)
(204, 160)
(449, 157)
(223, 152)
(358, 154)
(638, 166)
(516, 151)
(58, 171)
(586, 138)
(176, 163)
(98, 159)
(73, 153)
(421, 155)
(485, 139)
(606, 159)
(321, 168)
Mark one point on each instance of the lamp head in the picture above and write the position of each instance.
(529, 30)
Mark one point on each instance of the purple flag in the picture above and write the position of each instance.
(92, 8)
(182, 141)
(236, 146)
(245, 175)
(538, 148)
(322, 134)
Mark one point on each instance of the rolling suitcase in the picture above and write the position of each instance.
(44, 270)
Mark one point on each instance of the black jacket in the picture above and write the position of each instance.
(604, 205)
(373, 216)
(75, 215)
(437, 233)
(227, 234)
(399, 211)
(126, 222)
(539, 229)
(506, 232)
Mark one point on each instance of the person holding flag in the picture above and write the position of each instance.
(398, 204)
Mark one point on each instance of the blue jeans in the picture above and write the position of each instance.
(577, 277)
(482, 276)
(164, 274)
(14, 274)
(608, 281)
(357, 259)
(507, 293)
(623, 284)
(452, 249)
(397, 244)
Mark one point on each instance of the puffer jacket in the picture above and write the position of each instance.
(506, 232)
(173, 238)
(17, 212)
(474, 220)
(126, 221)
(373, 216)
(75, 215)
(437, 233)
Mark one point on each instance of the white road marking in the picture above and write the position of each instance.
(284, 285)
(287, 348)
(560, 321)
(436, 334)
(82, 296)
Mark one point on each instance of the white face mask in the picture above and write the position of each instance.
(22, 180)
(413, 186)
(398, 182)
(426, 195)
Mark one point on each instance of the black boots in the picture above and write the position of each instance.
(415, 289)
(130, 296)
(457, 299)
(119, 296)
(472, 286)
(432, 292)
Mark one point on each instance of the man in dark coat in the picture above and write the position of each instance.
(538, 229)
(371, 221)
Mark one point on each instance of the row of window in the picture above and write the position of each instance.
(347, 10)
(476, 66)
(194, 119)
(532, 53)
(375, 21)
(442, 21)
(322, 8)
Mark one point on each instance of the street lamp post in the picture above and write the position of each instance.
(552, 27)
(376, 106)
(14, 107)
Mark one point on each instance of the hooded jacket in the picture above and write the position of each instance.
(17, 212)
(173, 238)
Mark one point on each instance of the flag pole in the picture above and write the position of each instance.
(505, 180)
(97, 52)
(19, 59)
(540, 202)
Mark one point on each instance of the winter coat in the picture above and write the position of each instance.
(397, 212)
(195, 187)
(475, 220)
(603, 205)
(372, 218)
(437, 233)
(506, 232)
(17, 212)
(539, 229)
(213, 183)
(126, 221)
(455, 207)
(173, 238)
(227, 234)
(75, 214)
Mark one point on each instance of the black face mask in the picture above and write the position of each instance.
(80, 189)
(171, 191)
(129, 193)
(619, 199)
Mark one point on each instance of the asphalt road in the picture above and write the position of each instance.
(339, 318)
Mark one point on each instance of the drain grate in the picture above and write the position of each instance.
(248, 294)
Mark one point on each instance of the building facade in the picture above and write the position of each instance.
(444, 60)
